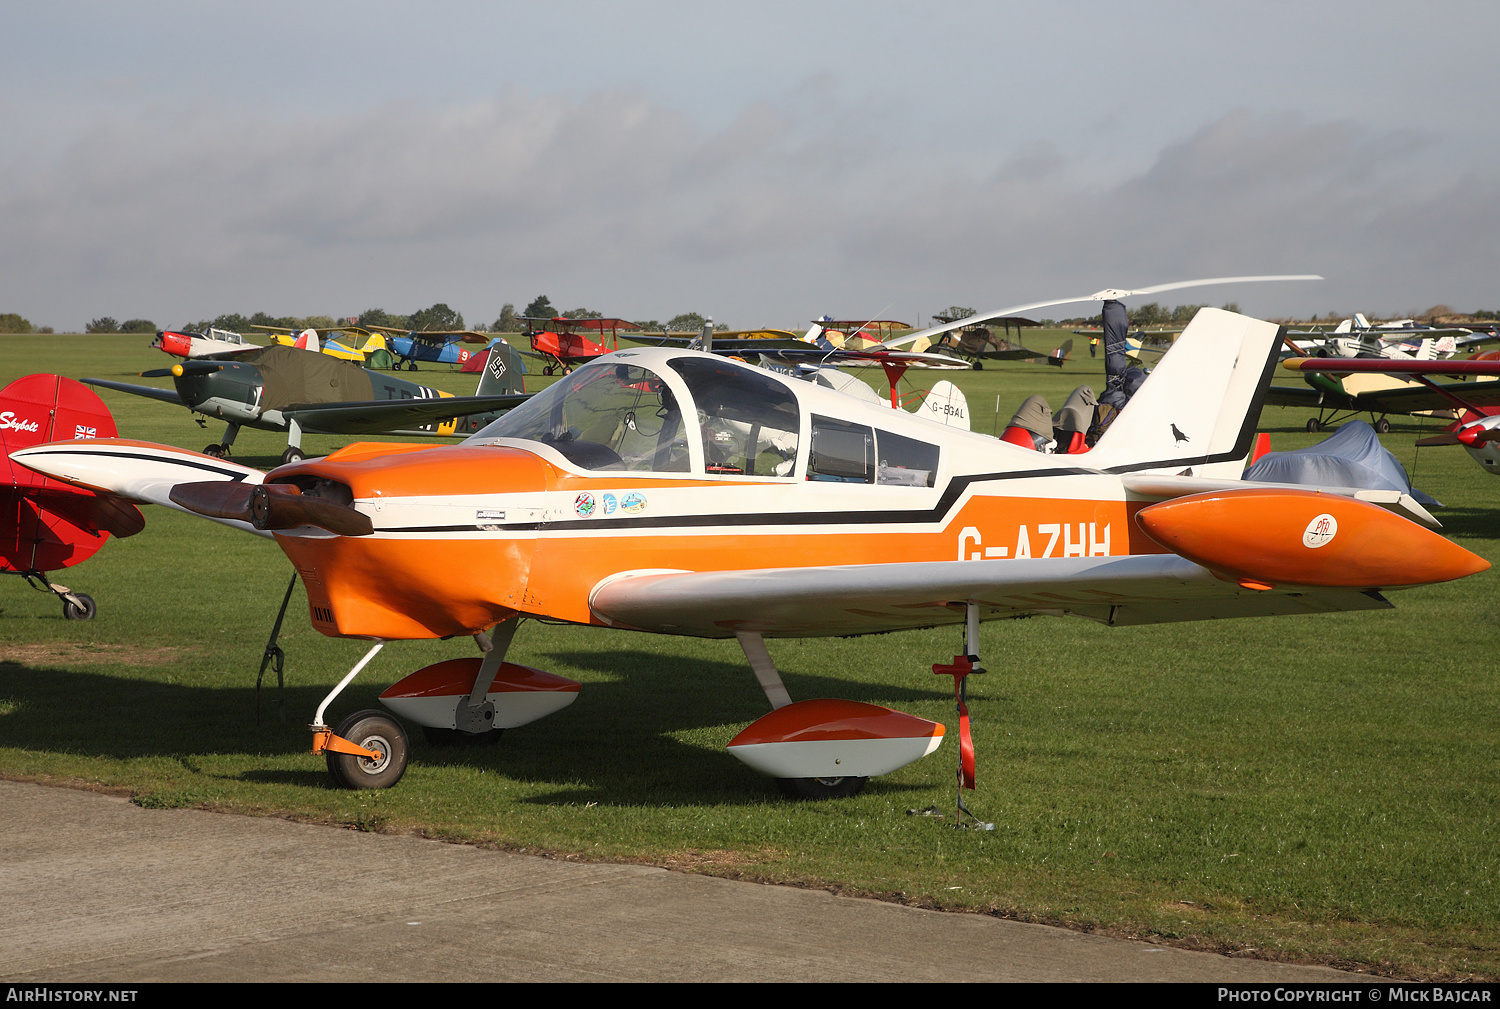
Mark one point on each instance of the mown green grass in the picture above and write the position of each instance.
(1315, 788)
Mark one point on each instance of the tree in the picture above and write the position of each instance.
(439, 316)
(11, 322)
(232, 321)
(541, 308)
(649, 325)
(508, 321)
(687, 320)
(103, 324)
(582, 313)
(1150, 314)
(319, 322)
(380, 317)
(137, 326)
(954, 312)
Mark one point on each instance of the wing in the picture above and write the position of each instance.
(860, 599)
(150, 392)
(392, 414)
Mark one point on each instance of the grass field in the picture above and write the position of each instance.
(1319, 789)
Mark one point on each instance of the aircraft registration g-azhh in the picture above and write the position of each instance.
(677, 492)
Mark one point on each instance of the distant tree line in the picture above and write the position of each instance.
(13, 322)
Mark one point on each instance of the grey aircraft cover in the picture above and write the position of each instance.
(1351, 457)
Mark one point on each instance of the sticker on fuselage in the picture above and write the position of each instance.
(634, 503)
(609, 502)
(583, 504)
(489, 515)
(1320, 531)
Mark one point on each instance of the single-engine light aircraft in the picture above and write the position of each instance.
(287, 389)
(1477, 427)
(1340, 388)
(564, 344)
(675, 492)
(216, 343)
(46, 524)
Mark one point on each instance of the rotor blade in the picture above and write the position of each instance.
(1104, 295)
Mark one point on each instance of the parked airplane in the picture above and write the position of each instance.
(675, 492)
(563, 342)
(287, 389)
(46, 524)
(216, 343)
(1347, 387)
(1357, 337)
(1477, 428)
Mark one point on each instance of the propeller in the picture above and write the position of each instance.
(270, 506)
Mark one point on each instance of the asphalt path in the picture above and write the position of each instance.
(97, 889)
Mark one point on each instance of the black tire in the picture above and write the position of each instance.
(547, 370)
(452, 737)
(978, 365)
(292, 455)
(821, 788)
(1382, 426)
(217, 451)
(84, 612)
(411, 366)
(374, 730)
(1313, 427)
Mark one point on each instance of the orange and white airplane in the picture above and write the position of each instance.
(673, 492)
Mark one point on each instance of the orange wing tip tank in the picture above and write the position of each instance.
(827, 738)
(1265, 538)
(520, 694)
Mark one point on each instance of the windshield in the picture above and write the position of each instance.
(603, 417)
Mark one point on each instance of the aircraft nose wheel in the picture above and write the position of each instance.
(216, 451)
(86, 611)
(1313, 427)
(1382, 426)
(821, 788)
(292, 455)
(374, 730)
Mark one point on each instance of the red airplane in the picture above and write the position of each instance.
(45, 524)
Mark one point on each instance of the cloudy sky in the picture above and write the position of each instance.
(762, 163)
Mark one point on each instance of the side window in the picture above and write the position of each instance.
(841, 452)
(905, 462)
(749, 420)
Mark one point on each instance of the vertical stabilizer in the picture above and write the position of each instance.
(1198, 409)
(946, 405)
(502, 370)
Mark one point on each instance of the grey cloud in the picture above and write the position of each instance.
(613, 202)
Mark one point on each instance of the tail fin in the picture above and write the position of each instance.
(1061, 354)
(1198, 409)
(502, 370)
(946, 405)
(307, 340)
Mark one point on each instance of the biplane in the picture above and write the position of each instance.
(46, 524)
(1477, 426)
(666, 491)
(566, 343)
(282, 388)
